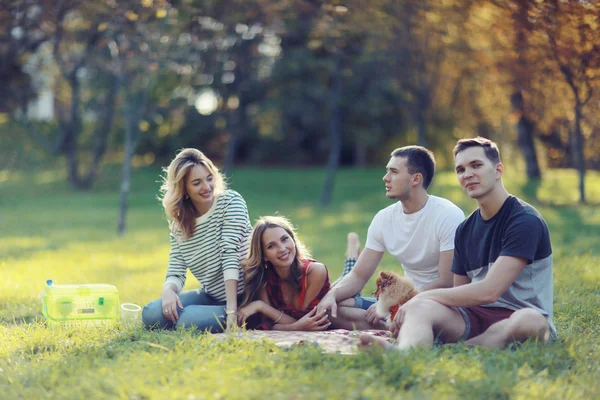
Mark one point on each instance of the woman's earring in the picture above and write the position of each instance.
(187, 196)
(266, 265)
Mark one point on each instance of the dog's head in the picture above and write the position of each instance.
(394, 288)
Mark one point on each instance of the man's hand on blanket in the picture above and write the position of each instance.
(313, 321)
(246, 312)
(328, 303)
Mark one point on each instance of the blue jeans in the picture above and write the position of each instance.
(199, 310)
(364, 302)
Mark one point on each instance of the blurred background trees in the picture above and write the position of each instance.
(297, 82)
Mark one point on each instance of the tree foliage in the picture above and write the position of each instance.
(308, 82)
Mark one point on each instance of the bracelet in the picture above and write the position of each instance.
(278, 318)
(229, 312)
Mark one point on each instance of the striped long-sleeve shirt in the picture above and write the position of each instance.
(215, 250)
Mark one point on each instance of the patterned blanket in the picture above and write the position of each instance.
(333, 341)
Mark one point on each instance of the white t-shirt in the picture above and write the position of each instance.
(416, 239)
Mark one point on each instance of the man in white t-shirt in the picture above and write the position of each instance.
(418, 230)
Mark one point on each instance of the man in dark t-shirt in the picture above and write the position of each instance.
(502, 267)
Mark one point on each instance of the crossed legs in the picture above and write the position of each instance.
(424, 320)
(522, 325)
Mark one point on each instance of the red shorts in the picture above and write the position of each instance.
(478, 319)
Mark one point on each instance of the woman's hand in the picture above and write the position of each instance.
(170, 304)
(246, 312)
(232, 322)
(313, 321)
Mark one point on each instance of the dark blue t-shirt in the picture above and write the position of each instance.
(517, 230)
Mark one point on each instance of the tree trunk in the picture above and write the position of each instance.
(422, 105)
(236, 126)
(71, 132)
(102, 133)
(526, 132)
(135, 104)
(578, 151)
(525, 137)
(360, 153)
(335, 133)
(525, 127)
(130, 126)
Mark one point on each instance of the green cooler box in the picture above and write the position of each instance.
(77, 305)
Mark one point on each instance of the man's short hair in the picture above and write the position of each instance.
(489, 147)
(418, 160)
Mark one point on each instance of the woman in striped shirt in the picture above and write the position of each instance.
(209, 236)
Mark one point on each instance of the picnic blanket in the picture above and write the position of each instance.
(340, 341)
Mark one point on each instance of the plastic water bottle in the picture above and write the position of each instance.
(43, 297)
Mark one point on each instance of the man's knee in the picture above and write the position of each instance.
(446, 323)
(423, 308)
(528, 323)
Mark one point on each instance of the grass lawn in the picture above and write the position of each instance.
(49, 232)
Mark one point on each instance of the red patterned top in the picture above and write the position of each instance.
(275, 295)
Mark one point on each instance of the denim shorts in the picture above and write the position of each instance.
(364, 302)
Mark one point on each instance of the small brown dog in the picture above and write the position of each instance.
(392, 291)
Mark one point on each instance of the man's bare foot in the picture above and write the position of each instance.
(353, 248)
(367, 341)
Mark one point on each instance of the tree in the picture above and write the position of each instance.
(22, 35)
(145, 40)
(77, 42)
(525, 126)
(573, 32)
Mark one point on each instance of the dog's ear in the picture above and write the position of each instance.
(385, 275)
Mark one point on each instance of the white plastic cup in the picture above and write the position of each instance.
(131, 314)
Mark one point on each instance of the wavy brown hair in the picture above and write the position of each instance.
(255, 267)
(180, 210)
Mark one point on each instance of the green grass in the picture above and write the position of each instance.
(49, 232)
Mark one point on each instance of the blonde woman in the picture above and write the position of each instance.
(209, 236)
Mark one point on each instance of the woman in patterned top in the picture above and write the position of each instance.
(209, 236)
(282, 282)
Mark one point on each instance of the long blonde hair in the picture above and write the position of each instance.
(180, 210)
(255, 267)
